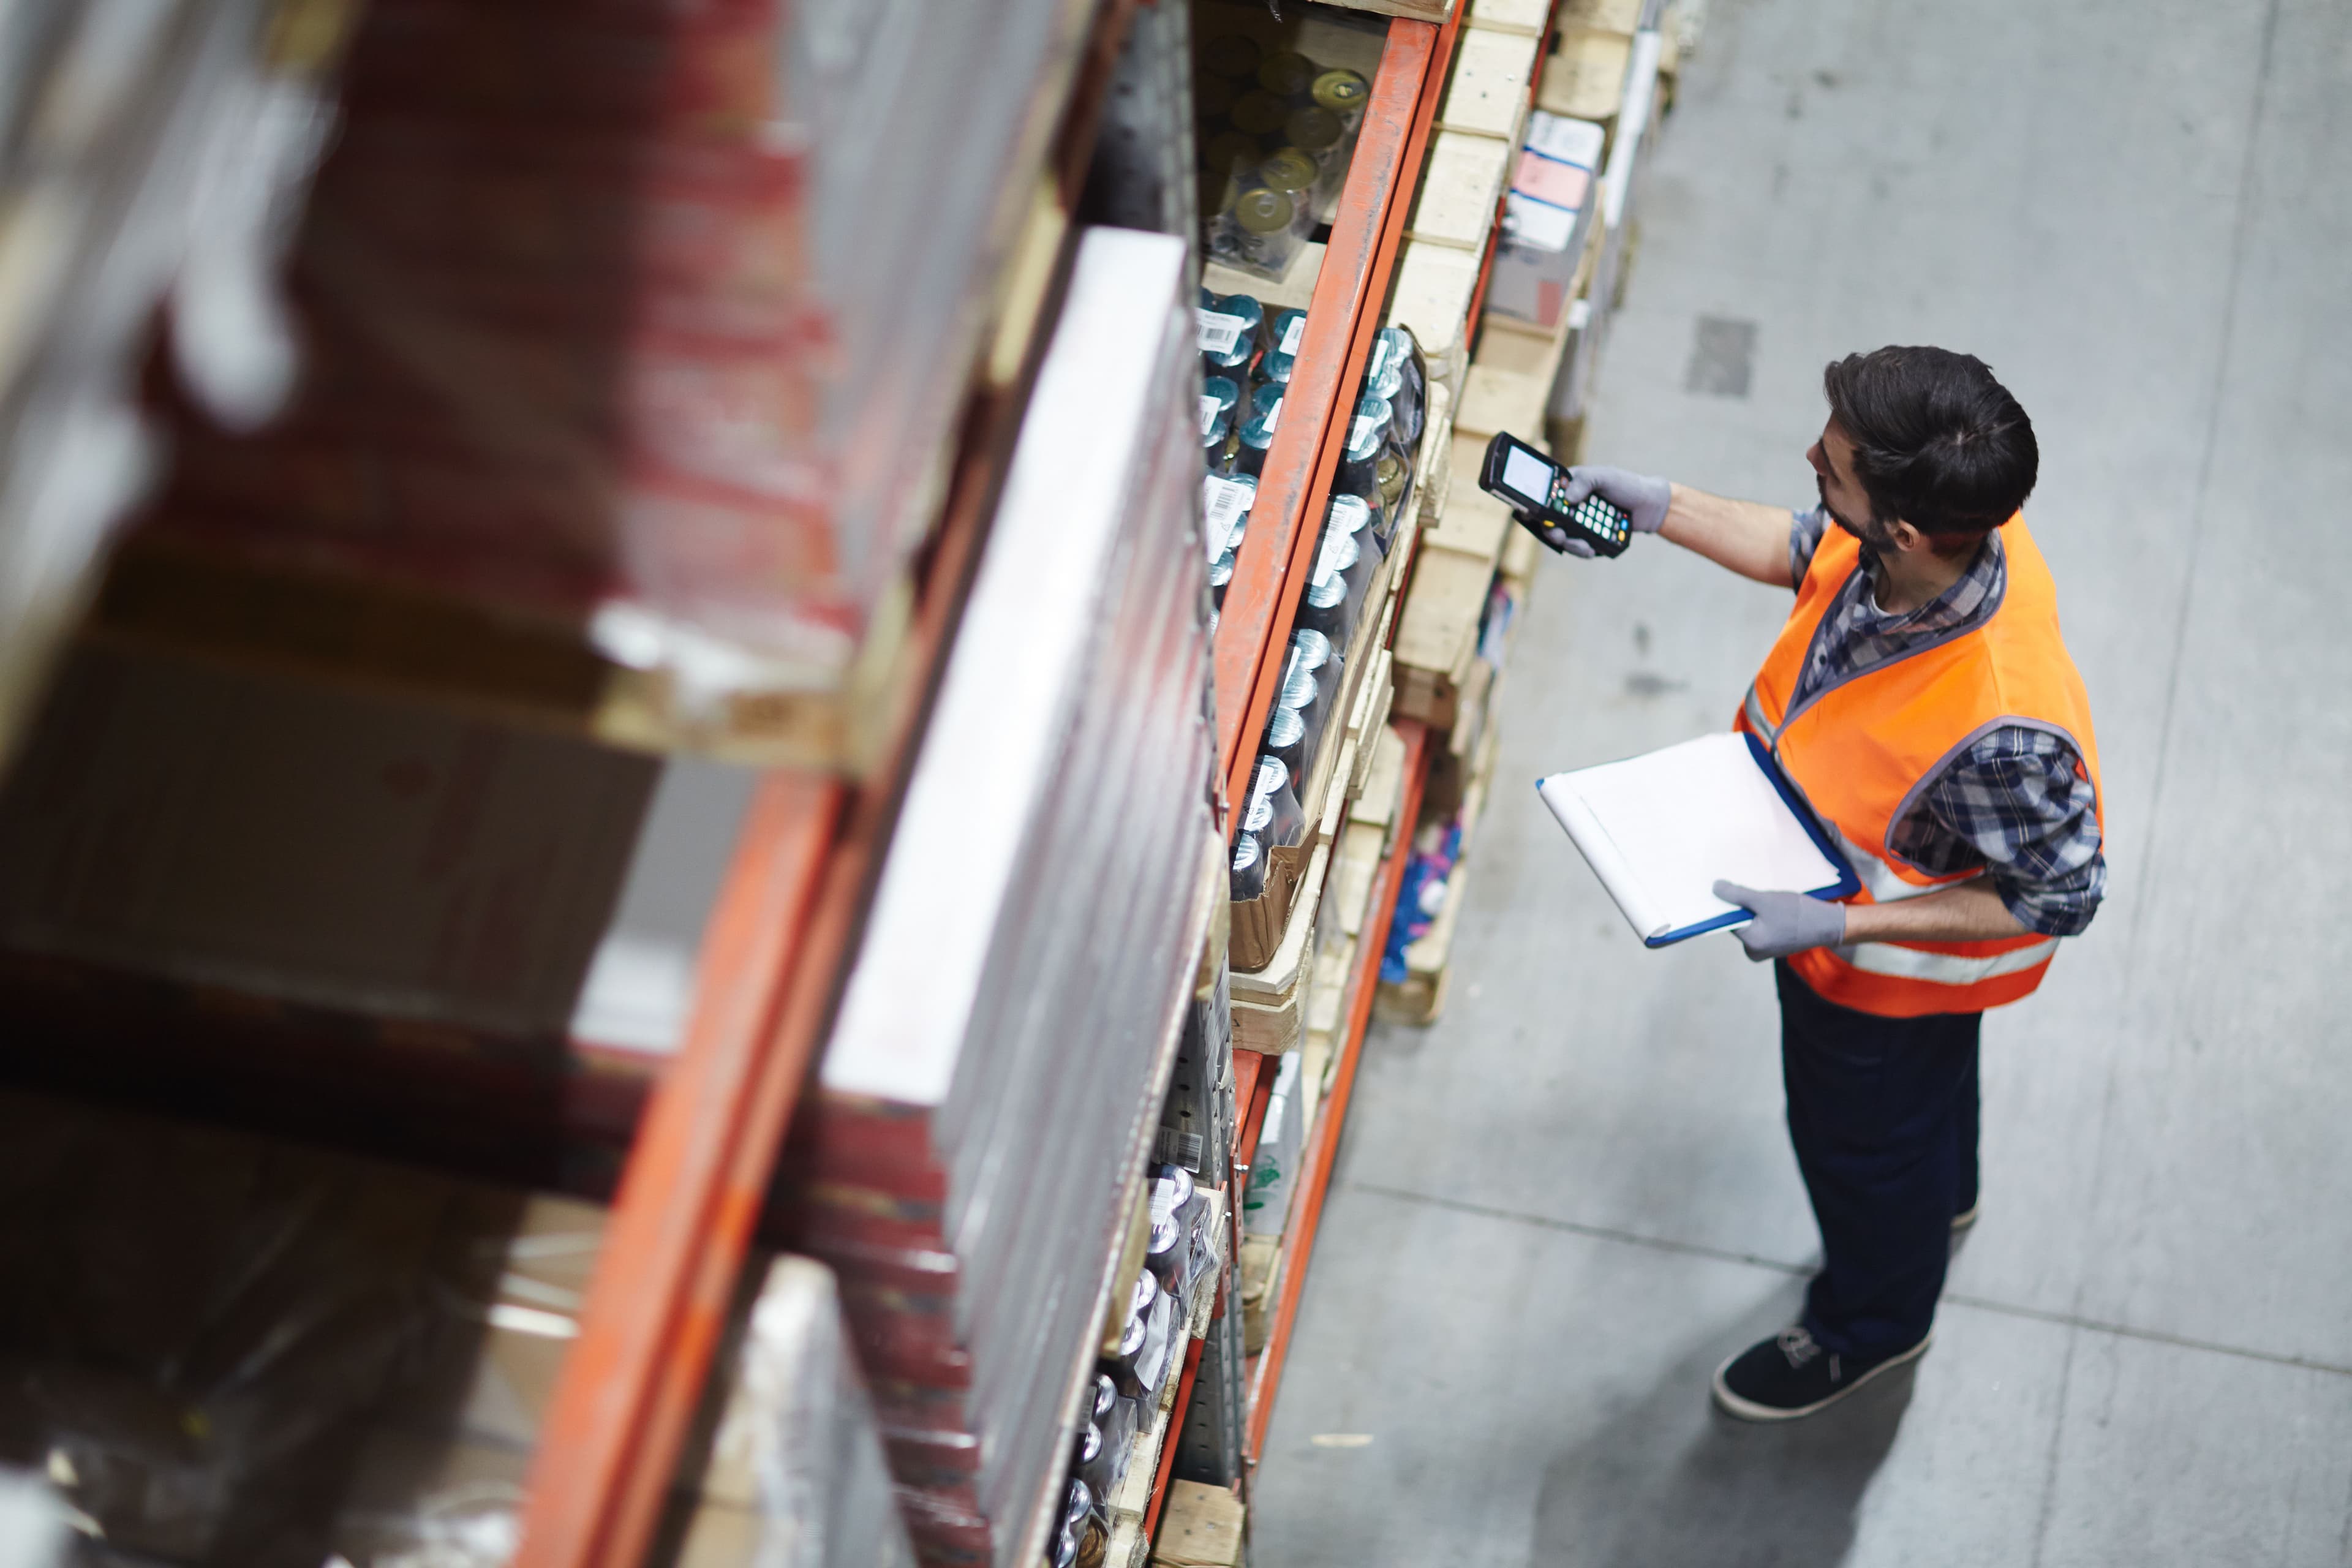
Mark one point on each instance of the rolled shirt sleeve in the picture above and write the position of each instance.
(2018, 802)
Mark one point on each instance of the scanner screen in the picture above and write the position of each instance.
(1528, 475)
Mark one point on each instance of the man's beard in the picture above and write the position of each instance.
(1874, 535)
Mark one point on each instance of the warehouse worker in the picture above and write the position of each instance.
(1922, 700)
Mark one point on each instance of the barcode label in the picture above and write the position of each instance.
(1293, 333)
(1174, 1148)
(1361, 428)
(1219, 331)
(1163, 1202)
(1208, 407)
(1274, 417)
(1224, 504)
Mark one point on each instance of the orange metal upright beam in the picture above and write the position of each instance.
(1271, 568)
(1333, 1117)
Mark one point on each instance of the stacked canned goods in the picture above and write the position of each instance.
(1275, 130)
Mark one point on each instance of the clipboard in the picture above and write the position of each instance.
(1661, 829)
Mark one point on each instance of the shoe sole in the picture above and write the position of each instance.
(1731, 1404)
(1963, 1221)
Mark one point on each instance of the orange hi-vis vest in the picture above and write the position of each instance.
(1860, 750)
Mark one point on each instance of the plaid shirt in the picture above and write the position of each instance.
(2013, 803)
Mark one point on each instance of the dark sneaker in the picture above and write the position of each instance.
(1967, 1216)
(1789, 1375)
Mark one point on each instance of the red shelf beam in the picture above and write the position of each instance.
(1276, 553)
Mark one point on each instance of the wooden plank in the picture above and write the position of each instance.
(1461, 190)
(1434, 284)
(1585, 77)
(1623, 17)
(1525, 16)
(1413, 10)
(1269, 1005)
(1203, 1530)
(1440, 614)
(1474, 521)
(1490, 92)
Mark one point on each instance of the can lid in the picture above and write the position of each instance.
(1090, 1443)
(1290, 170)
(1221, 570)
(1082, 1500)
(1314, 129)
(1286, 73)
(1349, 512)
(1312, 647)
(1106, 1395)
(1273, 774)
(1286, 729)
(1266, 398)
(1258, 113)
(1223, 388)
(1263, 211)
(1246, 306)
(1341, 90)
(1245, 853)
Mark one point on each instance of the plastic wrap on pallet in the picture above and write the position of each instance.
(228, 1352)
(990, 1083)
(148, 150)
(646, 316)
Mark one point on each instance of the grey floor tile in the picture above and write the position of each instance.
(1534, 1396)
(2171, 1456)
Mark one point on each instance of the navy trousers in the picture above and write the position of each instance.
(1883, 1113)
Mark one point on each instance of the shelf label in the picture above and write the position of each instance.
(1219, 331)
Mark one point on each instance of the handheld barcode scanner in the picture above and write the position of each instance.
(1536, 491)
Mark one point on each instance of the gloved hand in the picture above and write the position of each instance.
(1784, 922)
(1643, 498)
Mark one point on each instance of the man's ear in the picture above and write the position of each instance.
(1909, 540)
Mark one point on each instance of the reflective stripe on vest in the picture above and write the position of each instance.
(1861, 749)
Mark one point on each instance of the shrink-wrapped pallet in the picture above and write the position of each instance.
(994, 1075)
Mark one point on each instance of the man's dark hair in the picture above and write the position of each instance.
(1937, 442)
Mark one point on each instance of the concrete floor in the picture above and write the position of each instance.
(1559, 1207)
